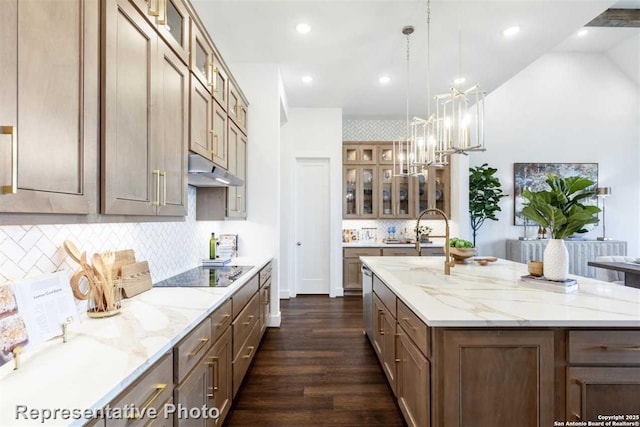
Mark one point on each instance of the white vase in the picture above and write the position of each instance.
(556, 260)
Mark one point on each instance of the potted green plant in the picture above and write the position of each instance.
(560, 210)
(485, 193)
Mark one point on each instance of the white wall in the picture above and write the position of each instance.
(259, 235)
(312, 133)
(573, 108)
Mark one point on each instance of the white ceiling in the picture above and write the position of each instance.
(353, 42)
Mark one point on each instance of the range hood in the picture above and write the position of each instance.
(203, 173)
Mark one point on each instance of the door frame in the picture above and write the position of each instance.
(334, 244)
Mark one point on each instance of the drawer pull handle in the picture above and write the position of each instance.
(380, 328)
(577, 416)
(406, 320)
(13, 187)
(250, 352)
(249, 322)
(158, 391)
(200, 346)
(621, 348)
(213, 363)
(224, 320)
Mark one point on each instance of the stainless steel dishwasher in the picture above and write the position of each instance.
(367, 301)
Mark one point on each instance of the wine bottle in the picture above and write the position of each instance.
(212, 246)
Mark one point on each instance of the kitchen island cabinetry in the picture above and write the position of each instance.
(49, 119)
(477, 348)
(145, 117)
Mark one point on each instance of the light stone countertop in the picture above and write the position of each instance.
(365, 244)
(102, 357)
(492, 295)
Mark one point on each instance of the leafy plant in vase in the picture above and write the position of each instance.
(485, 192)
(423, 233)
(561, 212)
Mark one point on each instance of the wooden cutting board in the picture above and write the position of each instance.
(136, 278)
(124, 257)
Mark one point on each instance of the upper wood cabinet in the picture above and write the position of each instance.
(394, 197)
(49, 92)
(365, 154)
(201, 56)
(220, 82)
(219, 137)
(201, 120)
(237, 108)
(236, 196)
(171, 19)
(145, 90)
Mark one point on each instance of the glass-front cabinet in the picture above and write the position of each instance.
(359, 154)
(385, 153)
(434, 193)
(395, 195)
(360, 195)
(173, 26)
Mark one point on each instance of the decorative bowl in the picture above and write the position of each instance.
(536, 268)
(461, 254)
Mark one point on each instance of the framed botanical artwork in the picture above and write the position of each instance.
(533, 176)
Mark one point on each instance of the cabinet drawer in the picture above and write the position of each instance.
(438, 251)
(399, 252)
(607, 347)
(151, 391)
(189, 351)
(244, 294)
(244, 323)
(242, 361)
(356, 253)
(220, 320)
(414, 327)
(265, 274)
(386, 296)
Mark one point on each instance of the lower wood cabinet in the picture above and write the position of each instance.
(413, 381)
(151, 390)
(220, 386)
(497, 377)
(487, 377)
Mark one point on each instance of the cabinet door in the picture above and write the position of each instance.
(131, 185)
(237, 108)
(599, 391)
(201, 52)
(403, 188)
(201, 120)
(173, 109)
(173, 26)
(359, 154)
(236, 196)
(193, 393)
(265, 306)
(433, 192)
(414, 379)
(220, 144)
(48, 119)
(387, 193)
(378, 332)
(385, 155)
(389, 351)
(510, 370)
(367, 181)
(220, 80)
(351, 198)
(352, 274)
(219, 383)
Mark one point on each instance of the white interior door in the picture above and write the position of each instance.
(311, 193)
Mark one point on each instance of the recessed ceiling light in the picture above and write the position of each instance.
(459, 81)
(583, 32)
(303, 28)
(384, 80)
(307, 79)
(511, 31)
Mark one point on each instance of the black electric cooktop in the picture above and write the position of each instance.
(205, 277)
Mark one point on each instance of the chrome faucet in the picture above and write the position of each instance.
(448, 262)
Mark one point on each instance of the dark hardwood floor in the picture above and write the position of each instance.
(317, 369)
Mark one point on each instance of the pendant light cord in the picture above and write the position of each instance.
(428, 59)
(459, 39)
(407, 85)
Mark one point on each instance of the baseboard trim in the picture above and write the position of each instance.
(284, 294)
(274, 320)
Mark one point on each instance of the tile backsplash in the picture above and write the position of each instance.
(403, 227)
(373, 130)
(169, 247)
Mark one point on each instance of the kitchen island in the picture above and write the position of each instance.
(479, 348)
(162, 336)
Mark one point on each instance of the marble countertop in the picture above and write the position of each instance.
(492, 295)
(388, 245)
(102, 357)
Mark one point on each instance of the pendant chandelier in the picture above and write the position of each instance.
(460, 113)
